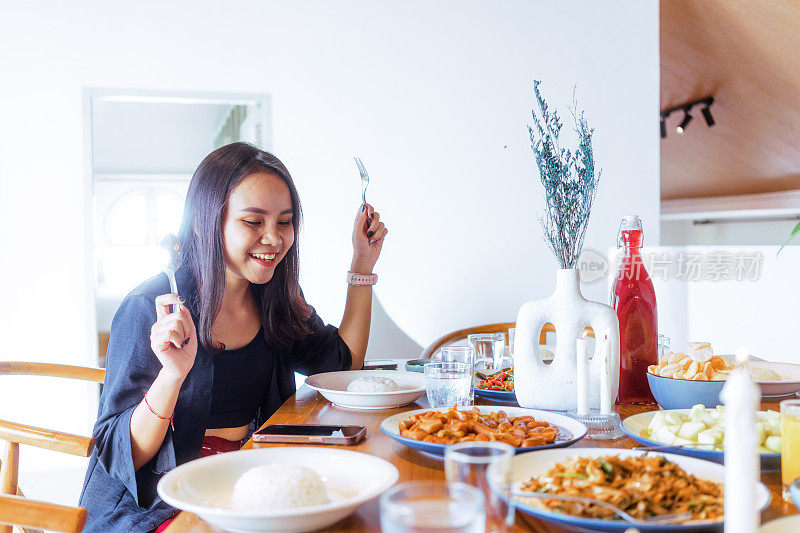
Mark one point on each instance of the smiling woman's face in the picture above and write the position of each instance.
(257, 228)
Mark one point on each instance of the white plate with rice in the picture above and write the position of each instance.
(369, 389)
(776, 379)
(277, 489)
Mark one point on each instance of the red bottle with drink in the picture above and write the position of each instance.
(634, 300)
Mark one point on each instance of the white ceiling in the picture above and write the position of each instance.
(147, 137)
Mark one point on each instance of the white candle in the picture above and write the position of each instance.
(741, 397)
(606, 377)
(582, 378)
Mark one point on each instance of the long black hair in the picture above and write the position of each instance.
(280, 302)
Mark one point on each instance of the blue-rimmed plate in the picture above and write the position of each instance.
(794, 490)
(787, 524)
(634, 425)
(528, 465)
(496, 395)
(570, 430)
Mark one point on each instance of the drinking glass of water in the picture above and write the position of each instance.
(424, 506)
(487, 467)
(489, 349)
(448, 384)
(460, 354)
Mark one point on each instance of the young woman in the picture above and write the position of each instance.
(190, 383)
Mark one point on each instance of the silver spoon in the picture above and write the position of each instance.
(661, 519)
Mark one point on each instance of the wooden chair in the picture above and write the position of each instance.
(15, 509)
(501, 327)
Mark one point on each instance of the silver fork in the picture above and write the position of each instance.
(364, 180)
(662, 519)
(173, 247)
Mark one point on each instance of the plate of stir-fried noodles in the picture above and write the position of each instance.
(642, 484)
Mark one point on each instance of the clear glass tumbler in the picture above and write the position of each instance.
(663, 346)
(489, 349)
(424, 506)
(487, 467)
(511, 333)
(790, 444)
(448, 384)
(460, 354)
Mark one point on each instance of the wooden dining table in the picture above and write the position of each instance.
(307, 406)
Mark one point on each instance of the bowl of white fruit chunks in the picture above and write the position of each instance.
(700, 432)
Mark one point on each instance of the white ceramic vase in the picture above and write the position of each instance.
(553, 386)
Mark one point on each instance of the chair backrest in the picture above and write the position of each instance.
(14, 507)
(501, 327)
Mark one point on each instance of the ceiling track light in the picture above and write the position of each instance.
(707, 115)
(687, 115)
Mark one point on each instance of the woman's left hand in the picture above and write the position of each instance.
(368, 235)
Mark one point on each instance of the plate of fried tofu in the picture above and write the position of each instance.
(432, 430)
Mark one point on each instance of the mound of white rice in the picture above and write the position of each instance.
(764, 374)
(373, 384)
(275, 487)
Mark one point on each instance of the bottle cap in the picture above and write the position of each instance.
(630, 231)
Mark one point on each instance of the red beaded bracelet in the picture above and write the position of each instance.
(159, 416)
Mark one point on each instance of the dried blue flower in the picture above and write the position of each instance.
(569, 180)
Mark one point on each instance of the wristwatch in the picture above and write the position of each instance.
(361, 279)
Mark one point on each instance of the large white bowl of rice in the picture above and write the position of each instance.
(277, 489)
(369, 389)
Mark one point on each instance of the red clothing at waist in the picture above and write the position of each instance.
(211, 446)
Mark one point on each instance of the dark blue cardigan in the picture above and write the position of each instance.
(117, 497)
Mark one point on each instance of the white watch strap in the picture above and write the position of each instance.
(361, 279)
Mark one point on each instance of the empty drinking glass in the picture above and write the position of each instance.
(460, 354)
(448, 384)
(485, 466)
(424, 506)
(488, 349)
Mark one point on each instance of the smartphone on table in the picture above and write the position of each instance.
(380, 364)
(310, 434)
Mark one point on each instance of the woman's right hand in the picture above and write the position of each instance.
(173, 337)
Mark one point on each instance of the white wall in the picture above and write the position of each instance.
(136, 137)
(434, 96)
(762, 313)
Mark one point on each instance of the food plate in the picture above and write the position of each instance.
(333, 386)
(417, 365)
(570, 430)
(673, 393)
(635, 424)
(490, 376)
(788, 384)
(496, 395)
(528, 465)
(204, 487)
(787, 524)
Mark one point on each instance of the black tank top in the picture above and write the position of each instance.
(240, 384)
